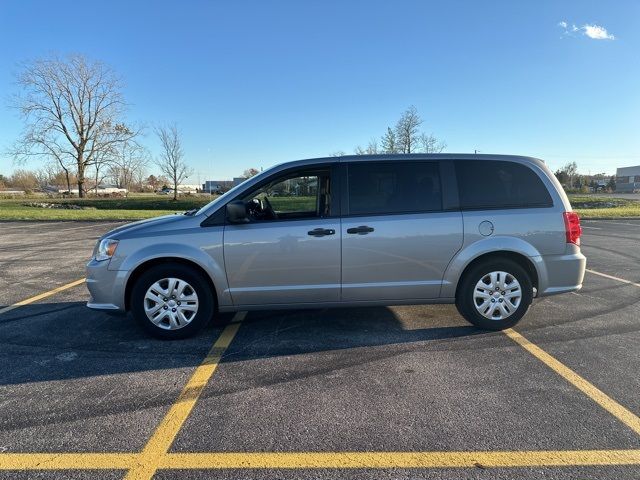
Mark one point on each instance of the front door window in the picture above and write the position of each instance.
(300, 195)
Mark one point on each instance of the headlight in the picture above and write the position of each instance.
(106, 249)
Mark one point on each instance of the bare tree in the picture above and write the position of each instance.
(24, 180)
(571, 169)
(389, 142)
(72, 109)
(152, 182)
(128, 164)
(100, 165)
(372, 148)
(67, 172)
(428, 143)
(406, 137)
(171, 159)
(250, 172)
(44, 176)
(407, 130)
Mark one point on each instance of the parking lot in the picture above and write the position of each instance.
(398, 392)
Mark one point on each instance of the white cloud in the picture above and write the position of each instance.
(595, 32)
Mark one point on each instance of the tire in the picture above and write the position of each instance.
(179, 320)
(471, 301)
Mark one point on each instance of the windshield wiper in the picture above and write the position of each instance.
(191, 212)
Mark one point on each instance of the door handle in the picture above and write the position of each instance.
(321, 232)
(361, 230)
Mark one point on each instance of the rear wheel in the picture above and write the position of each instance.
(495, 294)
(172, 301)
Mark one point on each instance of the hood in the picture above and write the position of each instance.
(150, 224)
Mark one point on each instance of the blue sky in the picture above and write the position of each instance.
(255, 83)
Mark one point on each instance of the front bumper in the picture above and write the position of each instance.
(106, 287)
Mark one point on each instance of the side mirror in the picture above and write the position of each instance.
(237, 212)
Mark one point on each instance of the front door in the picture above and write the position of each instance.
(289, 251)
(396, 239)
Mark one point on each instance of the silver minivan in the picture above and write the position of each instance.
(486, 232)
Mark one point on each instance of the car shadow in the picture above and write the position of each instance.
(296, 332)
(65, 340)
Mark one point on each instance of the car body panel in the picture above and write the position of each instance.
(404, 257)
(412, 258)
(279, 262)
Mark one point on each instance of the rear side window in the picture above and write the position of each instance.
(485, 184)
(394, 187)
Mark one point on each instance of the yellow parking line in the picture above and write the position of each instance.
(609, 404)
(336, 460)
(160, 442)
(325, 460)
(41, 296)
(67, 461)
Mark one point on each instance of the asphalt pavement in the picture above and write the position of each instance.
(397, 392)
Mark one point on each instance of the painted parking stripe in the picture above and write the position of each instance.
(335, 460)
(41, 296)
(161, 440)
(611, 277)
(324, 460)
(609, 404)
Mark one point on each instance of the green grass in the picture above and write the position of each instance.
(133, 202)
(618, 212)
(293, 204)
(598, 207)
(31, 213)
(138, 207)
(133, 208)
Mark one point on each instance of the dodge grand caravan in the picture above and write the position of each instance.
(486, 232)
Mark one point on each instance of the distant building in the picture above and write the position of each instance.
(184, 188)
(628, 179)
(221, 186)
(238, 180)
(100, 190)
(216, 186)
(11, 191)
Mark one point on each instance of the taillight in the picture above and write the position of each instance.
(572, 227)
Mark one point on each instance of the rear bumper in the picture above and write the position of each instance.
(562, 273)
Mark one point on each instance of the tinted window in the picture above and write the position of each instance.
(495, 184)
(394, 187)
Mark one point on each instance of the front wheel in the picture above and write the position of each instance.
(172, 301)
(495, 294)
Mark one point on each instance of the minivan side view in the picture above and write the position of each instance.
(486, 232)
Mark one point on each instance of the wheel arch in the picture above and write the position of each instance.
(148, 264)
(524, 261)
